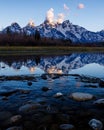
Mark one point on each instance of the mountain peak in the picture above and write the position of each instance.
(46, 22)
(31, 23)
(15, 25)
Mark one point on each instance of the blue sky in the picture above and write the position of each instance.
(89, 14)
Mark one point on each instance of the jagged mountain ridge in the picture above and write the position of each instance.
(66, 31)
(58, 64)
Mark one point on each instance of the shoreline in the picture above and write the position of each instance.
(56, 50)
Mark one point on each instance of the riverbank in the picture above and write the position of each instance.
(52, 50)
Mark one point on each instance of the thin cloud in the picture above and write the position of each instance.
(60, 18)
(66, 7)
(81, 6)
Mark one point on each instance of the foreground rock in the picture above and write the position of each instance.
(58, 95)
(29, 83)
(67, 127)
(96, 124)
(15, 119)
(99, 102)
(29, 107)
(45, 89)
(15, 128)
(78, 96)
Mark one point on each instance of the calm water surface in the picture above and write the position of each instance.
(88, 64)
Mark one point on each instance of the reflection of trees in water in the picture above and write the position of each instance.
(16, 62)
(37, 60)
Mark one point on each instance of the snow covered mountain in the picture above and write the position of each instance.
(66, 31)
(14, 28)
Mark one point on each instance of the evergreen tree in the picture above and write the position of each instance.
(8, 31)
(37, 35)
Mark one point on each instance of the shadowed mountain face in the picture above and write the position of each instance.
(56, 64)
(66, 31)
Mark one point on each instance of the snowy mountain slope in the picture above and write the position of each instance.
(66, 30)
(14, 28)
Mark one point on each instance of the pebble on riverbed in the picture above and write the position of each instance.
(99, 102)
(45, 89)
(15, 119)
(79, 96)
(67, 127)
(29, 83)
(29, 107)
(58, 95)
(96, 124)
(14, 128)
(5, 98)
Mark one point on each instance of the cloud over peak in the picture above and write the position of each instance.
(50, 17)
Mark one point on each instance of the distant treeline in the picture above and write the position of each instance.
(35, 40)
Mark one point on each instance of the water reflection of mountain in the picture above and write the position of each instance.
(55, 64)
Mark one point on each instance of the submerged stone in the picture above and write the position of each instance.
(58, 95)
(29, 107)
(99, 102)
(96, 124)
(14, 128)
(67, 127)
(45, 89)
(15, 118)
(29, 83)
(78, 96)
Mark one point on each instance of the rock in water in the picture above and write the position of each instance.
(15, 128)
(29, 83)
(96, 124)
(78, 96)
(66, 127)
(45, 89)
(29, 107)
(99, 102)
(58, 95)
(15, 118)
